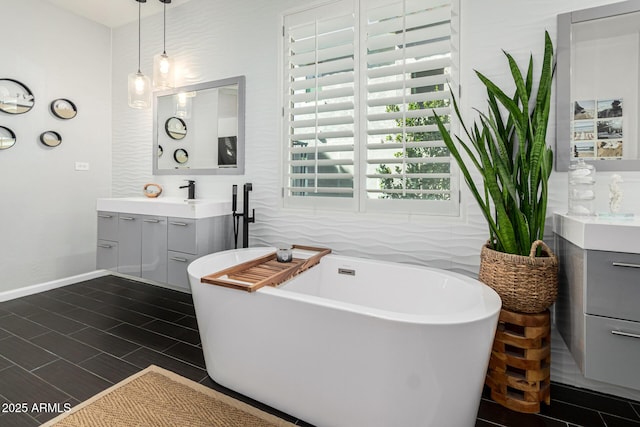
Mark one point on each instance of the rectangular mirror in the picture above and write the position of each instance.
(597, 90)
(199, 129)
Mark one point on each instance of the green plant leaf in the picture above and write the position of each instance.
(511, 154)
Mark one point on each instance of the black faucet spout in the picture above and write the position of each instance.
(191, 189)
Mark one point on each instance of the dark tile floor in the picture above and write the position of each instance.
(65, 345)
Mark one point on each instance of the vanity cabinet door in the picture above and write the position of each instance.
(154, 248)
(107, 255)
(177, 269)
(108, 226)
(130, 244)
(182, 235)
(612, 351)
(613, 284)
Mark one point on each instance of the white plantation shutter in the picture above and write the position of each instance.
(319, 107)
(360, 90)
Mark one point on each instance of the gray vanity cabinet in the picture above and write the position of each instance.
(598, 312)
(107, 251)
(133, 244)
(158, 248)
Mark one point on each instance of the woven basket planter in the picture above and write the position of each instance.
(526, 284)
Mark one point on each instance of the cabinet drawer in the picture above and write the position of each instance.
(612, 351)
(182, 235)
(613, 284)
(107, 226)
(177, 263)
(107, 255)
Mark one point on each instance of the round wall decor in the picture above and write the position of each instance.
(63, 108)
(15, 97)
(7, 138)
(50, 138)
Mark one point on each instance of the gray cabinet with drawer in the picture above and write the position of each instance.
(613, 284)
(598, 312)
(156, 247)
(189, 239)
(108, 226)
(612, 351)
(107, 255)
(107, 250)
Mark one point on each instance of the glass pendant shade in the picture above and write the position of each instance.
(163, 71)
(139, 91)
(139, 85)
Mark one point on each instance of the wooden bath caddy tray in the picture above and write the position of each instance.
(264, 271)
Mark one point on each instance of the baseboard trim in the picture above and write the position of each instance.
(151, 282)
(46, 286)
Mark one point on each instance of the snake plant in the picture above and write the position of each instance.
(508, 147)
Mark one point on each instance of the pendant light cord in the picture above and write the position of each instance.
(164, 34)
(139, 19)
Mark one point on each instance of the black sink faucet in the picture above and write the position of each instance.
(192, 189)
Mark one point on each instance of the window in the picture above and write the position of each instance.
(360, 90)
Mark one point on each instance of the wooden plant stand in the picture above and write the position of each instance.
(519, 367)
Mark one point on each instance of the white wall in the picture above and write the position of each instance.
(47, 213)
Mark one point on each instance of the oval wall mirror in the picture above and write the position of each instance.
(50, 138)
(63, 109)
(7, 138)
(176, 128)
(15, 98)
(181, 156)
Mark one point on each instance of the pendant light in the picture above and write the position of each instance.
(163, 65)
(139, 84)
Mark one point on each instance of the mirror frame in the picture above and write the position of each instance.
(239, 170)
(563, 85)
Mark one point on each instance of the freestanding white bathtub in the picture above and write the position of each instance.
(390, 345)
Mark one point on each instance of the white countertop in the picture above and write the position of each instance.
(166, 206)
(605, 234)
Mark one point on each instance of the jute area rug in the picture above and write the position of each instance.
(157, 397)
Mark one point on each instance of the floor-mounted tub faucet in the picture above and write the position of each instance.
(246, 218)
(192, 189)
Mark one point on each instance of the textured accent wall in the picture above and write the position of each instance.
(213, 39)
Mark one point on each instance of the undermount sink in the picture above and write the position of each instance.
(166, 206)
